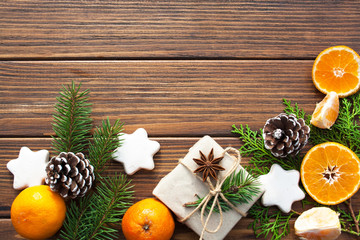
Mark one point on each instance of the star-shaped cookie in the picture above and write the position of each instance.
(137, 151)
(281, 188)
(29, 168)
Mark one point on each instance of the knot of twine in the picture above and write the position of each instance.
(215, 192)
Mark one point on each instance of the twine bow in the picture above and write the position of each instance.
(215, 192)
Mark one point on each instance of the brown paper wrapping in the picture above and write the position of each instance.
(180, 186)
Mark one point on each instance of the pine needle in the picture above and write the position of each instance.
(105, 141)
(239, 188)
(74, 217)
(94, 216)
(97, 215)
(72, 123)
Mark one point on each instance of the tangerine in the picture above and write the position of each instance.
(148, 219)
(337, 69)
(326, 112)
(330, 173)
(37, 212)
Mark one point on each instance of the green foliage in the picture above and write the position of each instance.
(266, 223)
(97, 215)
(72, 122)
(299, 112)
(94, 216)
(75, 214)
(238, 188)
(347, 221)
(261, 158)
(346, 129)
(105, 140)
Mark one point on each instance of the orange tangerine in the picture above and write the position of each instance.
(337, 69)
(37, 212)
(326, 112)
(148, 219)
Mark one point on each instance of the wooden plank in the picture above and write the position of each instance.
(8, 232)
(175, 29)
(168, 98)
(171, 150)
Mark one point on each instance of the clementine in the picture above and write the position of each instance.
(37, 212)
(330, 173)
(337, 69)
(148, 219)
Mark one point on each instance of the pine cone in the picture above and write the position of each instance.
(70, 174)
(285, 134)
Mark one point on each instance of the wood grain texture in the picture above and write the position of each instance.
(168, 98)
(175, 29)
(181, 69)
(144, 181)
(172, 149)
(8, 232)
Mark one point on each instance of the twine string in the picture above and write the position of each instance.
(215, 192)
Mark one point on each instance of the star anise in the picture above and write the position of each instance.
(208, 165)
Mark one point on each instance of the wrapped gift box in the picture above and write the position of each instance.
(181, 185)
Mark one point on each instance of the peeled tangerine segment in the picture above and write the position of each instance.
(318, 223)
(326, 112)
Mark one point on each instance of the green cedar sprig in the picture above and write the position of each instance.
(261, 158)
(347, 221)
(346, 131)
(105, 140)
(289, 109)
(97, 216)
(72, 123)
(269, 223)
(238, 188)
(265, 222)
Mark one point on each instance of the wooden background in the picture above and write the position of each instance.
(180, 69)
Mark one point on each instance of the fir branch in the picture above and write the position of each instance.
(72, 123)
(92, 217)
(105, 142)
(238, 188)
(74, 217)
(112, 199)
(266, 223)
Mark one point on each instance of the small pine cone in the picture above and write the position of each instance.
(285, 135)
(69, 174)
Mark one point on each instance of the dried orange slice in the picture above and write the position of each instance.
(326, 112)
(330, 173)
(337, 69)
